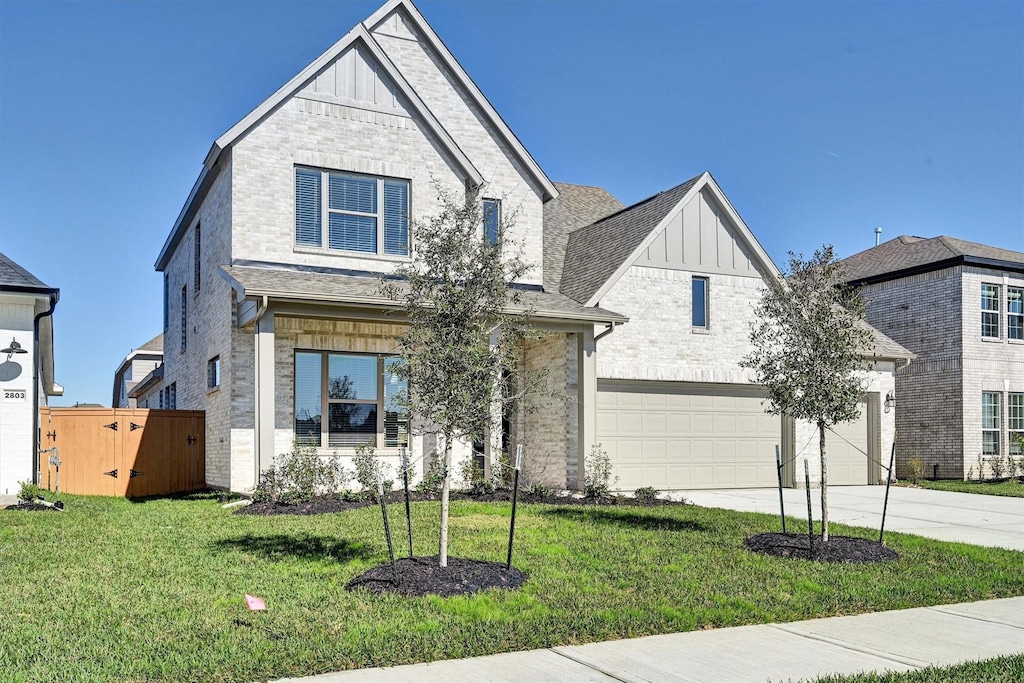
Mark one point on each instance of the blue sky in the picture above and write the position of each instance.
(820, 120)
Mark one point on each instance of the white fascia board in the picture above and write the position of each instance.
(662, 224)
(196, 196)
(541, 178)
(745, 232)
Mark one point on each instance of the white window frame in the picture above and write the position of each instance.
(1013, 316)
(380, 436)
(326, 211)
(707, 303)
(995, 426)
(1015, 422)
(991, 311)
(213, 373)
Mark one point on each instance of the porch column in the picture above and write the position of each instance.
(586, 387)
(263, 439)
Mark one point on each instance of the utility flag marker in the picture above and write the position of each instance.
(255, 604)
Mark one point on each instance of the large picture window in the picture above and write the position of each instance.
(990, 426)
(358, 213)
(990, 311)
(361, 394)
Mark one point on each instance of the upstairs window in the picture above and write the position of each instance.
(990, 426)
(990, 311)
(492, 219)
(213, 373)
(167, 302)
(699, 315)
(357, 213)
(1015, 313)
(197, 258)
(1015, 422)
(184, 318)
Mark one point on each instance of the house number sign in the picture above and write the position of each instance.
(15, 395)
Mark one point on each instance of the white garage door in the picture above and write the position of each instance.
(846, 447)
(681, 436)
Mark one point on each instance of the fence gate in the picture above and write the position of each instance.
(129, 452)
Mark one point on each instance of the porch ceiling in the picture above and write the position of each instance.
(307, 287)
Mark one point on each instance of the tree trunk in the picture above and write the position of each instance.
(824, 484)
(446, 486)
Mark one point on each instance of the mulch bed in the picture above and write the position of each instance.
(419, 576)
(31, 507)
(838, 549)
(331, 504)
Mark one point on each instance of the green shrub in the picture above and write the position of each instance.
(473, 480)
(28, 491)
(915, 470)
(998, 467)
(646, 494)
(433, 478)
(299, 476)
(598, 475)
(503, 471)
(540, 489)
(369, 470)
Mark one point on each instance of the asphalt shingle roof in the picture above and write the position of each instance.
(576, 206)
(595, 252)
(908, 253)
(365, 290)
(13, 276)
(154, 344)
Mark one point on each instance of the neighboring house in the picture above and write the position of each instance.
(272, 268)
(959, 306)
(26, 370)
(150, 392)
(136, 366)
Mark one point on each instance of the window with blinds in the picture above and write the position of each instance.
(363, 397)
(359, 213)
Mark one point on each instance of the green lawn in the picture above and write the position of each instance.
(1009, 487)
(998, 670)
(115, 590)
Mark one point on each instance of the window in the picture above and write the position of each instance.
(990, 423)
(1015, 312)
(362, 395)
(196, 258)
(167, 301)
(1015, 422)
(213, 373)
(990, 311)
(359, 213)
(492, 219)
(700, 302)
(184, 318)
(169, 400)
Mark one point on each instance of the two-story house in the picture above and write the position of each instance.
(136, 367)
(26, 370)
(959, 306)
(271, 294)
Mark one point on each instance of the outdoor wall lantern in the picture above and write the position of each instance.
(890, 402)
(14, 348)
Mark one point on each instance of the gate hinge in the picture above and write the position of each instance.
(112, 425)
(134, 473)
(132, 426)
(111, 473)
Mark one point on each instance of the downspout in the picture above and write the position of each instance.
(36, 474)
(611, 328)
(260, 311)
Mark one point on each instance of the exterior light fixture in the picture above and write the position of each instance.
(14, 348)
(890, 402)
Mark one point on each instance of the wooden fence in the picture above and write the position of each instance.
(122, 452)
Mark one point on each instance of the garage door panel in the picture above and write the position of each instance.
(687, 436)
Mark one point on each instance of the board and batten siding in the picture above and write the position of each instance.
(16, 393)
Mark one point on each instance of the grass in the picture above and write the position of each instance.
(998, 670)
(116, 590)
(1008, 487)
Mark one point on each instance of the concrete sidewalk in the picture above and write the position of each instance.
(899, 640)
(994, 521)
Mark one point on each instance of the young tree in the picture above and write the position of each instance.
(809, 344)
(460, 338)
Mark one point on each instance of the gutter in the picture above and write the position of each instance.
(54, 296)
(611, 328)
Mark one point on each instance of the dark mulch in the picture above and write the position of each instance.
(838, 548)
(329, 504)
(31, 507)
(422, 576)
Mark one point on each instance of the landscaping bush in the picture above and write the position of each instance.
(299, 476)
(370, 470)
(473, 479)
(646, 494)
(598, 478)
(915, 470)
(29, 491)
(433, 478)
(540, 489)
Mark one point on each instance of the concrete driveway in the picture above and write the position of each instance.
(993, 521)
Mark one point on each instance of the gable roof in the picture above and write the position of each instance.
(360, 34)
(598, 255)
(576, 206)
(550, 192)
(908, 255)
(15, 278)
(156, 344)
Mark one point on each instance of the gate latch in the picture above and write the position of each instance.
(191, 439)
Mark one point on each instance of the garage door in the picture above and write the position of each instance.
(847, 446)
(683, 436)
